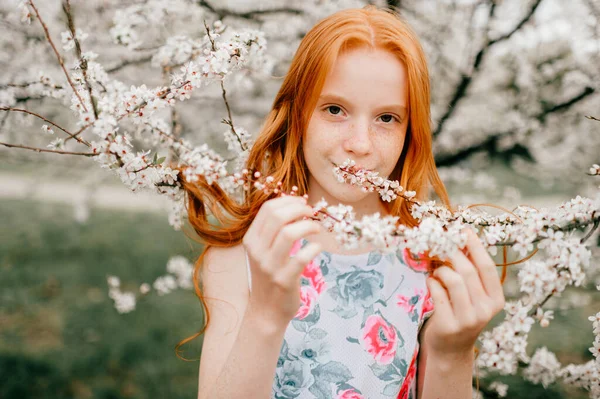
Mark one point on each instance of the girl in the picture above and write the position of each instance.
(290, 314)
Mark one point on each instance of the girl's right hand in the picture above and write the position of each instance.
(275, 296)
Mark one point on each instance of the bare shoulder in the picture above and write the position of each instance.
(224, 273)
(224, 280)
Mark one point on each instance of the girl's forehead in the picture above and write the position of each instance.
(367, 74)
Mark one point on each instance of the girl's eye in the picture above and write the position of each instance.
(334, 109)
(387, 118)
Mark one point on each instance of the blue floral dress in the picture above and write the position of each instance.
(355, 333)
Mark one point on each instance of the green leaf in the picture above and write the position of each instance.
(400, 364)
(381, 301)
(313, 317)
(320, 389)
(385, 372)
(392, 389)
(353, 340)
(334, 372)
(160, 160)
(300, 325)
(374, 258)
(317, 333)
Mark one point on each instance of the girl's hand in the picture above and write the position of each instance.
(465, 299)
(275, 295)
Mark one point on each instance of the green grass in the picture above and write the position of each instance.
(60, 336)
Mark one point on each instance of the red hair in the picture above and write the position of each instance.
(277, 149)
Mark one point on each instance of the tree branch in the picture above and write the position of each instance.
(465, 82)
(87, 154)
(82, 62)
(126, 63)
(566, 104)
(58, 56)
(46, 120)
(223, 12)
(224, 94)
(490, 143)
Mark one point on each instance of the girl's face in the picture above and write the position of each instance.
(362, 114)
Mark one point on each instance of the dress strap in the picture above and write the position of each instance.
(249, 272)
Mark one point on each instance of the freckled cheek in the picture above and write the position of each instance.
(324, 134)
(389, 148)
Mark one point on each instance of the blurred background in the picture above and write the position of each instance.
(512, 84)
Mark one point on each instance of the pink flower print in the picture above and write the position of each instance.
(406, 303)
(417, 265)
(379, 339)
(308, 296)
(427, 304)
(409, 303)
(410, 376)
(349, 394)
(312, 272)
(296, 247)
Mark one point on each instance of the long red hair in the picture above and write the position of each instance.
(277, 149)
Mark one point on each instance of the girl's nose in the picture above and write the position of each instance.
(358, 141)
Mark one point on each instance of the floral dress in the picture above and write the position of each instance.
(355, 333)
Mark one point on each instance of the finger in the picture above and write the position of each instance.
(441, 301)
(287, 236)
(290, 274)
(251, 238)
(470, 275)
(458, 294)
(279, 215)
(485, 266)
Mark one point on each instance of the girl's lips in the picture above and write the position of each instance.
(357, 167)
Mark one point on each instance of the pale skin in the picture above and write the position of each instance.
(358, 117)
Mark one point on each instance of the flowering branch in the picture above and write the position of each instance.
(229, 121)
(58, 56)
(46, 120)
(85, 154)
(82, 61)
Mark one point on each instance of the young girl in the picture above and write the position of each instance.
(293, 314)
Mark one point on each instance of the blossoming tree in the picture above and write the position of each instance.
(133, 87)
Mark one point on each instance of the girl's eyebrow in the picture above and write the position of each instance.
(336, 98)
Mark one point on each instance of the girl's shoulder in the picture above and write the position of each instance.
(224, 270)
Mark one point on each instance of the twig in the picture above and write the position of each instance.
(60, 60)
(594, 227)
(568, 227)
(163, 95)
(46, 120)
(125, 63)
(221, 12)
(82, 62)
(490, 144)
(224, 94)
(592, 118)
(25, 85)
(467, 78)
(87, 154)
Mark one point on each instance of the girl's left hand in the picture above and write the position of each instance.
(465, 299)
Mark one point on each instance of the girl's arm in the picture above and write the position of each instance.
(245, 332)
(443, 376)
(239, 351)
(465, 298)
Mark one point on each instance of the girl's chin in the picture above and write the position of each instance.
(348, 194)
